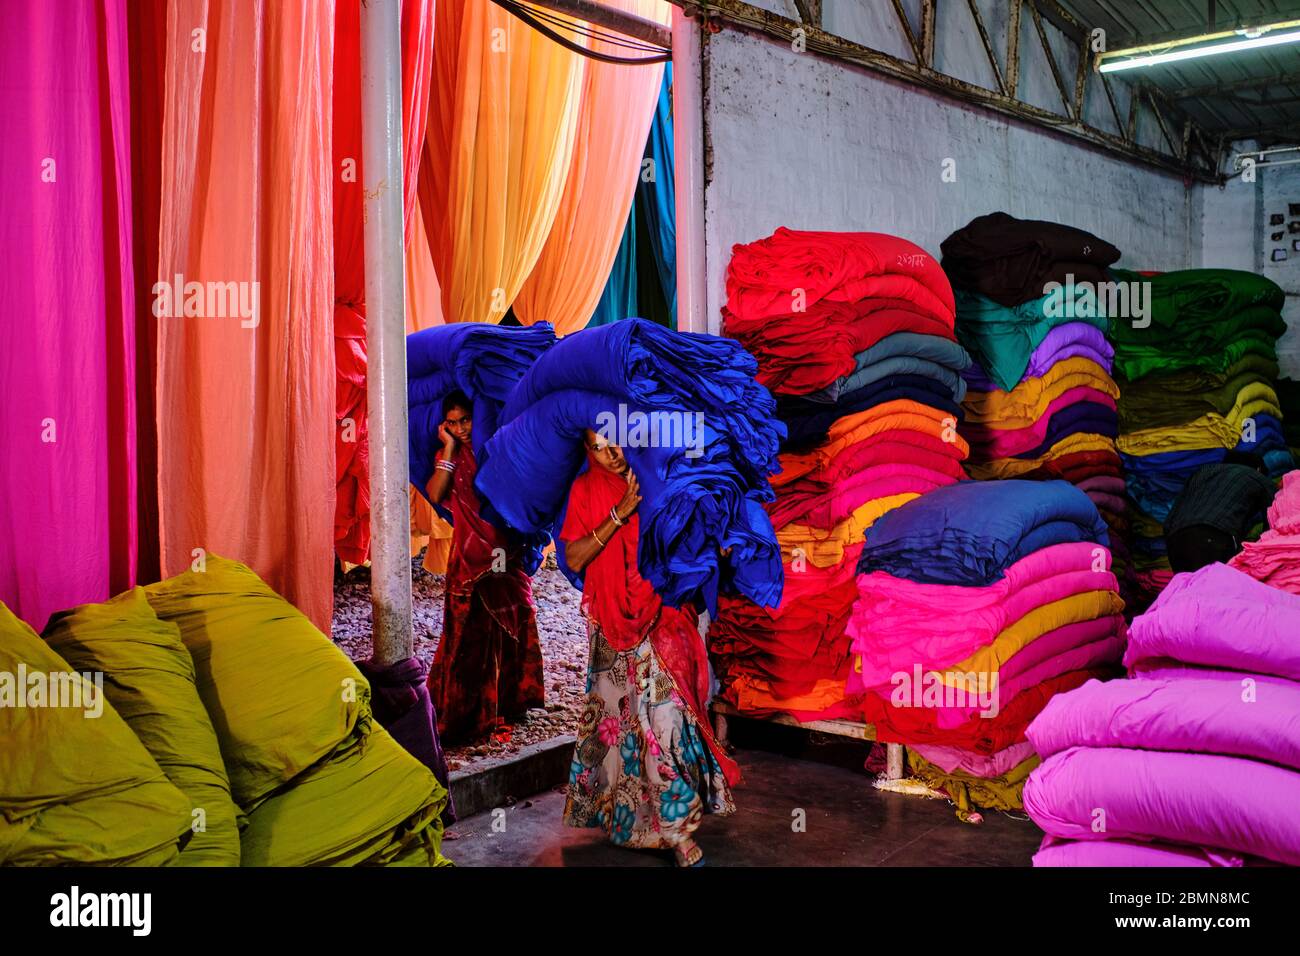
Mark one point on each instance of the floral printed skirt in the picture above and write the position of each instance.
(641, 770)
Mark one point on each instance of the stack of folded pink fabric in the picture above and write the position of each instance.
(1195, 760)
(1275, 557)
(976, 604)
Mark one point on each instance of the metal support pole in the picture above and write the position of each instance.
(688, 157)
(893, 761)
(381, 150)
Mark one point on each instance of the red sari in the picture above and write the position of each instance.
(487, 670)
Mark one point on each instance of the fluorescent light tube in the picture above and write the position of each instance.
(1235, 46)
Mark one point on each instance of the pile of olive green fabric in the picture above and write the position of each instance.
(1198, 318)
(233, 732)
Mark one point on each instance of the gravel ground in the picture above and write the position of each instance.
(560, 626)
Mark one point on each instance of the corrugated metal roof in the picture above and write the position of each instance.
(1252, 93)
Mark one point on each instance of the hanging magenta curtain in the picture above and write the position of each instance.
(67, 345)
(618, 104)
(352, 469)
(246, 406)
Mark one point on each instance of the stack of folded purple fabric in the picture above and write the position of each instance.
(1194, 760)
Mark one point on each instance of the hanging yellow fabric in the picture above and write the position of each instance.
(617, 107)
(502, 121)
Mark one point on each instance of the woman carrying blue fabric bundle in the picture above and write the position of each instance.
(487, 670)
(646, 767)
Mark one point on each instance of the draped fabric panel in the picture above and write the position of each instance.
(618, 103)
(246, 405)
(657, 196)
(352, 470)
(502, 122)
(68, 531)
(620, 298)
(147, 40)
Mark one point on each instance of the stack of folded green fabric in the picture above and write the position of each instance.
(1197, 376)
(231, 732)
(77, 786)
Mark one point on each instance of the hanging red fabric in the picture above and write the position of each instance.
(351, 447)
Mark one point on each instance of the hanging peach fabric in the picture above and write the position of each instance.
(246, 401)
(502, 120)
(429, 533)
(67, 339)
(618, 104)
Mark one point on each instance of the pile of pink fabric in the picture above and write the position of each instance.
(1194, 760)
(1275, 557)
(976, 604)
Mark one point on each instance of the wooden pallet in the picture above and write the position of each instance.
(722, 712)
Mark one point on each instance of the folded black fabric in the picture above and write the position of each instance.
(1093, 418)
(808, 422)
(1010, 260)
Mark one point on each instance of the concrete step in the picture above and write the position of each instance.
(502, 780)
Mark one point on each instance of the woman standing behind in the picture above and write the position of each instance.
(487, 671)
(646, 767)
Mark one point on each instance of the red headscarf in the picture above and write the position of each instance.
(622, 602)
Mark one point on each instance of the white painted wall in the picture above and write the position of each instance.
(1236, 235)
(809, 143)
(1278, 188)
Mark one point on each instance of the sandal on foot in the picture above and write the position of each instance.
(691, 858)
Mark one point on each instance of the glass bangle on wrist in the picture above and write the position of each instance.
(445, 465)
(613, 516)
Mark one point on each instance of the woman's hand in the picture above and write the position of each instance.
(447, 438)
(631, 497)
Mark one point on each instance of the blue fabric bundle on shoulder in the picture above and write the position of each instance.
(646, 364)
(971, 532)
(484, 361)
(703, 465)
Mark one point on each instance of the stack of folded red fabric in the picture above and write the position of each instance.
(853, 332)
(1032, 300)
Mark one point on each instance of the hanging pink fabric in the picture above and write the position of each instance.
(246, 400)
(67, 345)
(352, 455)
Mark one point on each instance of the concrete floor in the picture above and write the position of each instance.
(849, 823)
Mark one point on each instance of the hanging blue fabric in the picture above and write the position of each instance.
(619, 300)
(657, 199)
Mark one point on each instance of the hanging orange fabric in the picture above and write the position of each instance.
(502, 120)
(429, 532)
(618, 105)
(246, 401)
